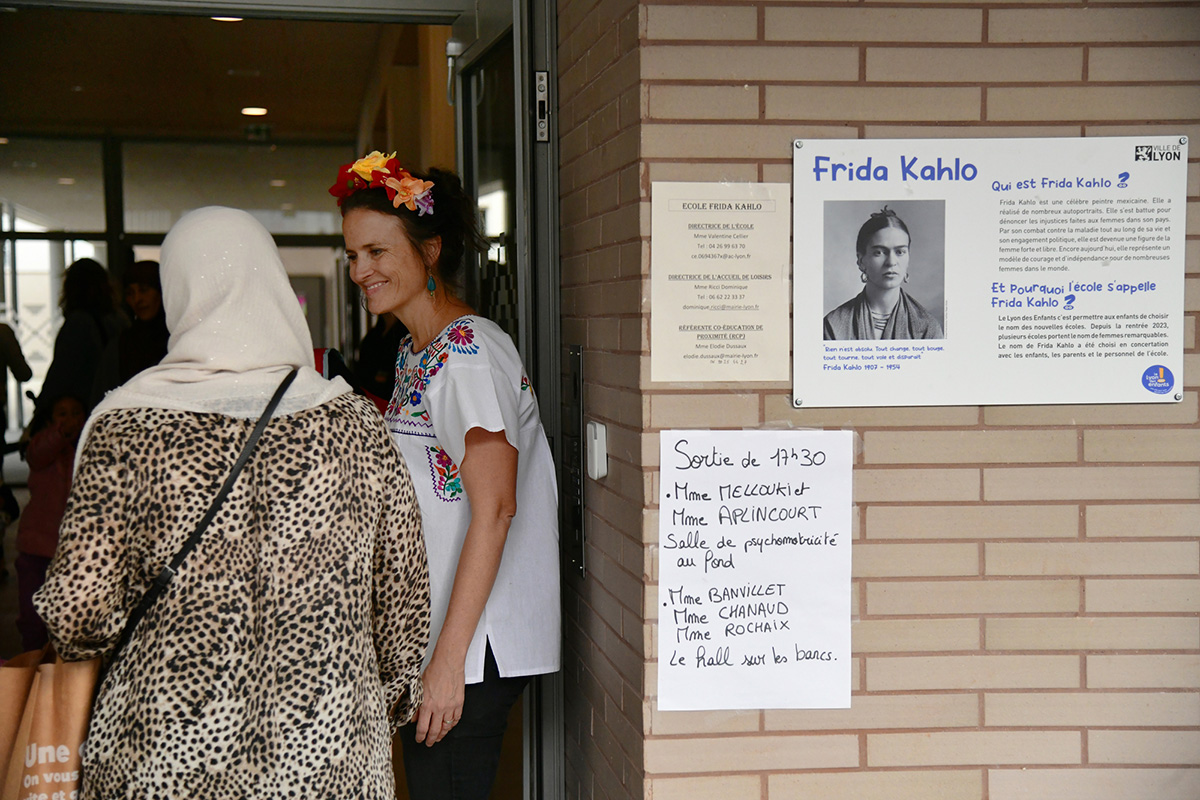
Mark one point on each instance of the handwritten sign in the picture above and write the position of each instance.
(754, 569)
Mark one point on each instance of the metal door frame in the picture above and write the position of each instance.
(536, 255)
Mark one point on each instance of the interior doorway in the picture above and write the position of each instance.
(196, 150)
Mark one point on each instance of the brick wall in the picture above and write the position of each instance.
(1026, 618)
(602, 267)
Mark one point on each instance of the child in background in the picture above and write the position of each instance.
(51, 458)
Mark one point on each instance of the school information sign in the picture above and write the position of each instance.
(988, 271)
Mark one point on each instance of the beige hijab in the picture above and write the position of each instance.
(236, 326)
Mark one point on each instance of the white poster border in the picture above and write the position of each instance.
(1008, 337)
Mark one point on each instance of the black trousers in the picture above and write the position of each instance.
(462, 766)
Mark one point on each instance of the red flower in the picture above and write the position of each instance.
(347, 183)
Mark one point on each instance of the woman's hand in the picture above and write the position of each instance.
(441, 708)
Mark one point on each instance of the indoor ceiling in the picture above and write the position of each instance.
(160, 76)
(172, 88)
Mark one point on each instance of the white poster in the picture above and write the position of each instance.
(754, 569)
(988, 271)
(718, 281)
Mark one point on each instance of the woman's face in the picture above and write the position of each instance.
(885, 260)
(145, 301)
(383, 262)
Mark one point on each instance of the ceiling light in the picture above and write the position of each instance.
(66, 181)
(279, 183)
(254, 111)
(226, 19)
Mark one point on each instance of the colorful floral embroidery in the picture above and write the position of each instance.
(526, 386)
(412, 380)
(462, 337)
(406, 407)
(447, 483)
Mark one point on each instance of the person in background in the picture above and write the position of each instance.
(375, 366)
(13, 360)
(144, 342)
(464, 415)
(882, 310)
(90, 322)
(288, 646)
(51, 458)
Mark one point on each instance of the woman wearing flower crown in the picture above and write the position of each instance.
(464, 416)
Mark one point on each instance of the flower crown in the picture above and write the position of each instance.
(377, 171)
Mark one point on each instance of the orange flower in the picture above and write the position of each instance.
(408, 190)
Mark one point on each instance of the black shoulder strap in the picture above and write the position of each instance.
(168, 572)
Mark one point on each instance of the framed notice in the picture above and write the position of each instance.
(754, 569)
(988, 271)
(718, 281)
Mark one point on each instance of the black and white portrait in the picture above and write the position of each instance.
(884, 269)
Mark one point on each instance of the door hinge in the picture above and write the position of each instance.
(542, 105)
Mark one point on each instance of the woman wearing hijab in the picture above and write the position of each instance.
(288, 647)
(882, 310)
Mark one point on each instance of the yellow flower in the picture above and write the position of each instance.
(374, 161)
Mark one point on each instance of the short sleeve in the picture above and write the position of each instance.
(475, 393)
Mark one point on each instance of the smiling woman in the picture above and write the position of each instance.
(466, 419)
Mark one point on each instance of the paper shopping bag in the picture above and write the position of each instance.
(16, 676)
(45, 758)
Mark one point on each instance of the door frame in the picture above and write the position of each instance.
(533, 24)
(478, 23)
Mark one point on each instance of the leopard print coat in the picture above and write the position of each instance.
(292, 637)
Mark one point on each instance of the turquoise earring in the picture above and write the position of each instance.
(431, 286)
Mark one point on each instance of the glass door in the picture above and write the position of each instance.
(511, 170)
(490, 169)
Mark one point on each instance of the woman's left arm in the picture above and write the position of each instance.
(489, 476)
(83, 600)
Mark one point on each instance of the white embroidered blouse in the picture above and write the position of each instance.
(471, 376)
